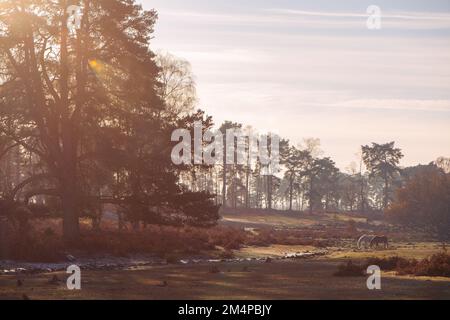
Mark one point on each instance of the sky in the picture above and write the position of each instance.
(313, 69)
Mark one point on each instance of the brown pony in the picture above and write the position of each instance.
(377, 240)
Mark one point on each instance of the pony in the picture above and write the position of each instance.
(377, 240)
(365, 240)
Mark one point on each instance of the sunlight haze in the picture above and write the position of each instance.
(315, 70)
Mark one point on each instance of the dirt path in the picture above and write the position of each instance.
(302, 279)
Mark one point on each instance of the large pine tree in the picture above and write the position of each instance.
(85, 101)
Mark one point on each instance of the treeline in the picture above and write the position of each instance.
(309, 182)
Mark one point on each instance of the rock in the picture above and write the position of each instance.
(25, 297)
(19, 283)
(269, 260)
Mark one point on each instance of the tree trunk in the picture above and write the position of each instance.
(247, 187)
(69, 188)
(291, 183)
(68, 162)
(362, 198)
(258, 192)
(224, 184)
(386, 193)
(69, 203)
(311, 196)
(4, 238)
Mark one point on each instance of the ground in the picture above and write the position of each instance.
(303, 279)
(310, 278)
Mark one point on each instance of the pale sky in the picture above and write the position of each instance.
(313, 69)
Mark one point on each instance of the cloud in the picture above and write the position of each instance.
(395, 104)
(399, 20)
(315, 19)
(393, 15)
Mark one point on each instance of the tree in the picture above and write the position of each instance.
(349, 191)
(295, 162)
(443, 163)
(270, 176)
(323, 175)
(61, 83)
(88, 105)
(312, 145)
(382, 161)
(177, 83)
(424, 202)
(227, 125)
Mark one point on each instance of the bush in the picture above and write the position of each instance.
(350, 270)
(227, 237)
(434, 266)
(389, 264)
(424, 202)
(228, 254)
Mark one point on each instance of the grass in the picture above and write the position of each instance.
(418, 250)
(308, 279)
(273, 251)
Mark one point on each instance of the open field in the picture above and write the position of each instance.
(306, 279)
(418, 251)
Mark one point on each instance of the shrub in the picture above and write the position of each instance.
(350, 269)
(227, 237)
(436, 265)
(389, 264)
(228, 254)
(424, 202)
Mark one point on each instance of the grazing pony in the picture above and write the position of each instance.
(365, 240)
(377, 240)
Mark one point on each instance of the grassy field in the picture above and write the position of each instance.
(419, 250)
(306, 279)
